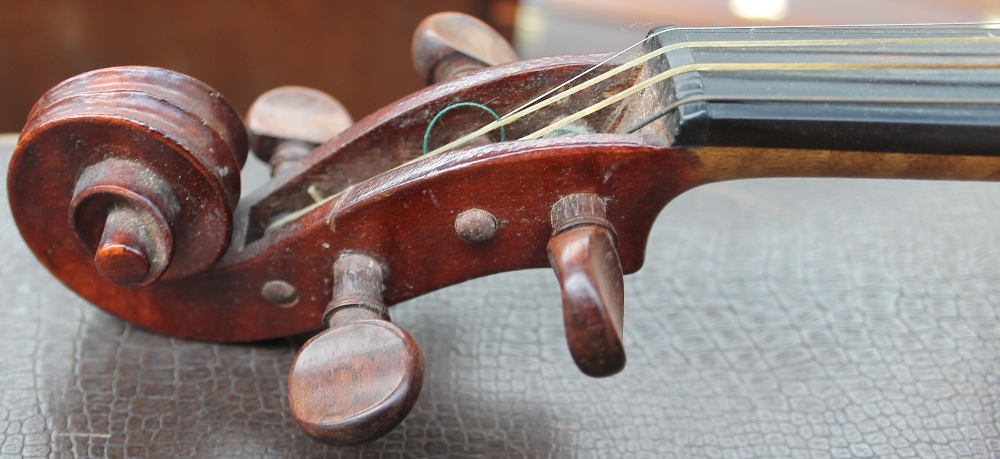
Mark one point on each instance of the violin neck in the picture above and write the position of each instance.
(936, 94)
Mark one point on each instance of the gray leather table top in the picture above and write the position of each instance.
(779, 318)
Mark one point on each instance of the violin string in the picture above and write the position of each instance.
(716, 67)
(522, 112)
(811, 100)
(527, 109)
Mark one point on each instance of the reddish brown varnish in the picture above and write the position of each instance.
(160, 144)
(357, 380)
(125, 185)
(125, 253)
(583, 255)
(286, 123)
(446, 45)
(403, 218)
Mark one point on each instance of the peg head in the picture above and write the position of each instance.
(294, 113)
(583, 254)
(448, 44)
(355, 382)
(590, 277)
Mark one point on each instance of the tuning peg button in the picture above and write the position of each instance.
(582, 253)
(449, 44)
(286, 123)
(357, 380)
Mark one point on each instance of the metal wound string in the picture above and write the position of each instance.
(591, 69)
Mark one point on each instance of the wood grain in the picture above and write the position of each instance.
(590, 279)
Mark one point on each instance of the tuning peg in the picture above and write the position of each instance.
(446, 45)
(286, 123)
(357, 380)
(582, 253)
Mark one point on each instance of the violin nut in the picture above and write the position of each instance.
(476, 226)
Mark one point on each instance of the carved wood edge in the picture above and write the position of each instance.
(405, 219)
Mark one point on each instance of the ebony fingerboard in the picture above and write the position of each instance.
(878, 124)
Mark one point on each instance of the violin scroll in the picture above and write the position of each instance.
(143, 162)
(138, 208)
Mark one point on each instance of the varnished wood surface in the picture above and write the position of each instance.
(404, 218)
(590, 279)
(355, 382)
(772, 317)
(294, 113)
(436, 190)
(448, 44)
(394, 134)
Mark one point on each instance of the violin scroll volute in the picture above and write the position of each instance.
(446, 45)
(136, 244)
(147, 163)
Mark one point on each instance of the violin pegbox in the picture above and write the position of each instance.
(141, 168)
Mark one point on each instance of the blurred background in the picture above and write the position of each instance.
(359, 51)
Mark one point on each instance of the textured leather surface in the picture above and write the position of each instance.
(780, 318)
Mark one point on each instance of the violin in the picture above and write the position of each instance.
(125, 182)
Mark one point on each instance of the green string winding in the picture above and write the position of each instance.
(427, 134)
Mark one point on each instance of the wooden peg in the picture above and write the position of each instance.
(286, 123)
(449, 44)
(582, 253)
(357, 380)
